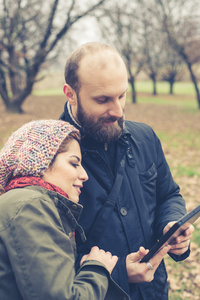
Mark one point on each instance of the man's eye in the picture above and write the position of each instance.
(102, 100)
(122, 96)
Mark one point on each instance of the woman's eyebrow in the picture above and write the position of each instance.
(78, 158)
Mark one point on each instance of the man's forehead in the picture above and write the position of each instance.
(100, 60)
(102, 93)
(100, 68)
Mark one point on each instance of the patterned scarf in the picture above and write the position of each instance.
(20, 182)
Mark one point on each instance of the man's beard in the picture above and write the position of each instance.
(97, 129)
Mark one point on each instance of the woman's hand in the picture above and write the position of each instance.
(100, 255)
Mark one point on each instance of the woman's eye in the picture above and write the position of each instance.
(75, 165)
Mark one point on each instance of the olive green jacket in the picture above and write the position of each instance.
(37, 250)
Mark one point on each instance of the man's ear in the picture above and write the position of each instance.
(70, 94)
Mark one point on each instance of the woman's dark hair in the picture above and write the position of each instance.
(64, 145)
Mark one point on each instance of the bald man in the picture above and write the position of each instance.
(130, 199)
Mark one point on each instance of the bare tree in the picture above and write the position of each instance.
(119, 27)
(180, 20)
(30, 31)
(152, 42)
(172, 69)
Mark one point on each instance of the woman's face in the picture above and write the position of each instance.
(67, 172)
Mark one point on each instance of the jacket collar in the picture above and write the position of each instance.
(71, 209)
(60, 201)
(68, 116)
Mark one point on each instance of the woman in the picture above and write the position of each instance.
(40, 170)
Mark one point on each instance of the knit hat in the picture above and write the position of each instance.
(30, 150)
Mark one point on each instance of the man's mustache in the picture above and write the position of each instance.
(109, 120)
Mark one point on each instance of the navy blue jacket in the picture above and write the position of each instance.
(128, 200)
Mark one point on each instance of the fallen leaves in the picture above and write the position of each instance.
(181, 144)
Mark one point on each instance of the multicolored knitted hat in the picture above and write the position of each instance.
(30, 150)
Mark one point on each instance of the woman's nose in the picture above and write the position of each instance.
(83, 176)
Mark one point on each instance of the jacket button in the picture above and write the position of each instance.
(74, 206)
(123, 211)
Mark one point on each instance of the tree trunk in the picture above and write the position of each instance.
(153, 78)
(14, 107)
(154, 87)
(133, 91)
(171, 84)
(194, 80)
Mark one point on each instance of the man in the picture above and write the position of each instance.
(130, 198)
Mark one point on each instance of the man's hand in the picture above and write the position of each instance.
(182, 242)
(140, 272)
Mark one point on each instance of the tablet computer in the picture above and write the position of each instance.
(177, 229)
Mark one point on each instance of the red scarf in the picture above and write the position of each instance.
(20, 182)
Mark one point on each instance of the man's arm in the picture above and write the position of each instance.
(170, 207)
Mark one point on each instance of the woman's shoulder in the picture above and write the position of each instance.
(13, 201)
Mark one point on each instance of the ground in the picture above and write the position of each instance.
(179, 131)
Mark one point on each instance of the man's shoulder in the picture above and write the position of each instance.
(140, 132)
(137, 128)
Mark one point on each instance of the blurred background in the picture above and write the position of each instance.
(160, 43)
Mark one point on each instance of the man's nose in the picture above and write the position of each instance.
(116, 109)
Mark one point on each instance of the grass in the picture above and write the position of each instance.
(196, 235)
(181, 88)
(188, 105)
(183, 97)
(186, 144)
(176, 297)
(48, 92)
(181, 139)
(186, 171)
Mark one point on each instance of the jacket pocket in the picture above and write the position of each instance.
(148, 187)
(149, 175)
